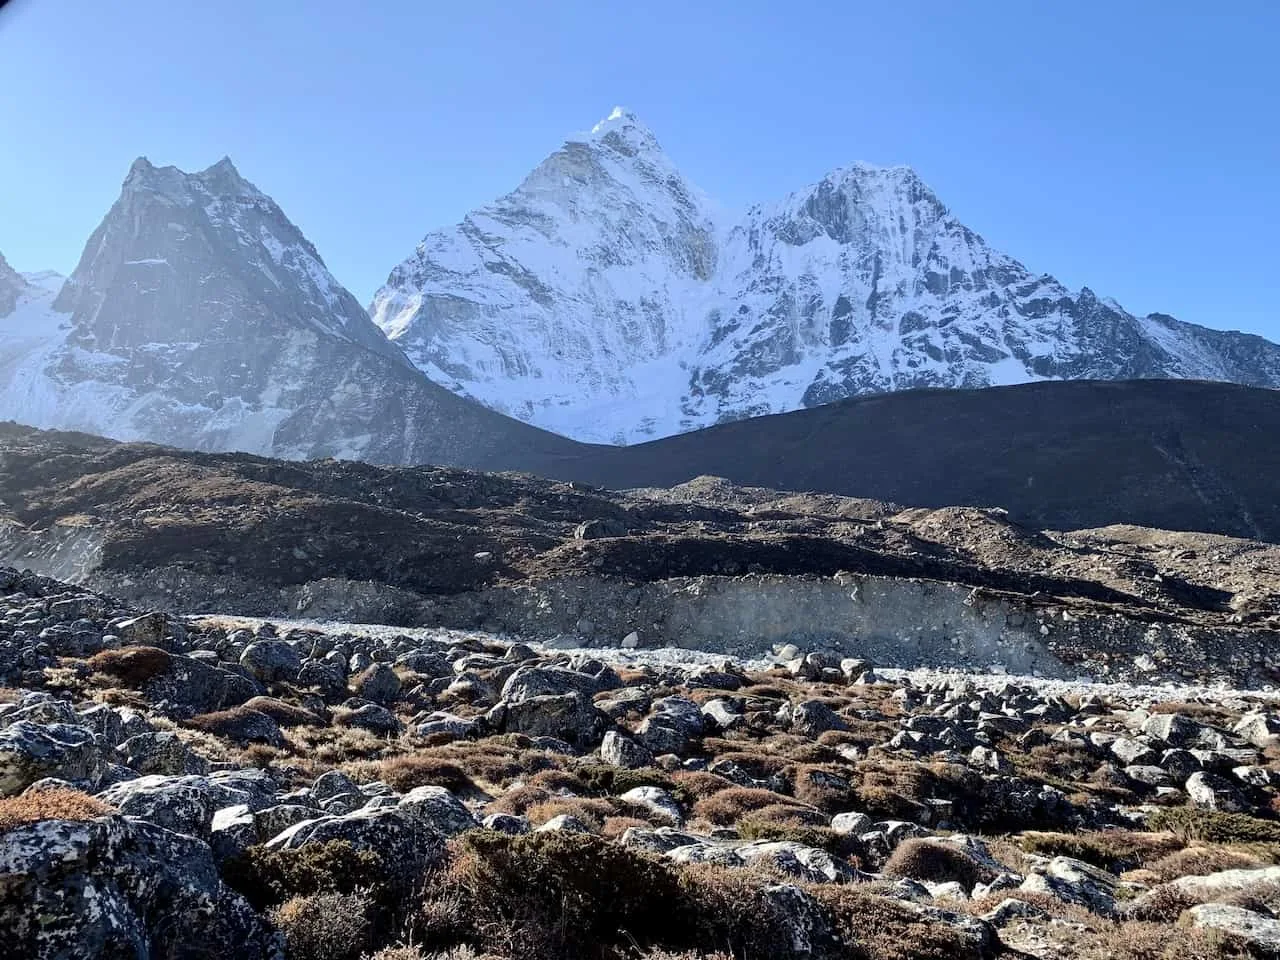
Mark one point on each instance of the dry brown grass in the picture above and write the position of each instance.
(57, 803)
(403, 773)
(518, 800)
(131, 666)
(285, 714)
(10, 695)
(696, 785)
(1200, 861)
(727, 807)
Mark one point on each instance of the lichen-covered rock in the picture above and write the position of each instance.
(182, 804)
(621, 751)
(161, 753)
(406, 842)
(115, 887)
(1260, 934)
(32, 751)
(1209, 791)
(439, 809)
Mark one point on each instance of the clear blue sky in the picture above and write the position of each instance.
(1132, 146)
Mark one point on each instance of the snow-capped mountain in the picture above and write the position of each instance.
(608, 299)
(200, 316)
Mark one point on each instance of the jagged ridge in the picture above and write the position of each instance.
(607, 299)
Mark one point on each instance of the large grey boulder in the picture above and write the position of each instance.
(115, 887)
(161, 753)
(32, 751)
(439, 809)
(621, 751)
(1209, 791)
(271, 661)
(1261, 934)
(569, 717)
(1075, 881)
(182, 804)
(673, 723)
(406, 841)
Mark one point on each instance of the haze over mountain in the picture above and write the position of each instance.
(200, 316)
(610, 300)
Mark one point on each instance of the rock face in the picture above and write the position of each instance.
(607, 299)
(200, 316)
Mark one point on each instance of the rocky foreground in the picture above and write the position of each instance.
(180, 788)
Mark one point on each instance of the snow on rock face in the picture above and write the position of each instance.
(608, 299)
(200, 316)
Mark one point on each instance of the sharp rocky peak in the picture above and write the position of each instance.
(221, 180)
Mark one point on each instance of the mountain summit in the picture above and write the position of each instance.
(200, 316)
(608, 299)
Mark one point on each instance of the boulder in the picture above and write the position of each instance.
(1075, 881)
(182, 804)
(621, 751)
(271, 661)
(1260, 934)
(31, 752)
(439, 809)
(115, 887)
(1209, 791)
(160, 753)
(405, 841)
(568, 716)
(379, 683)
(657, 800)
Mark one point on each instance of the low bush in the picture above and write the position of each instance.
(935, 862)
(405, 772)
(880, 928)
(1212, 826)
(1113, 850)
(267, 876)
(556, 896)
(55, 803)
(324, 926)
(132, 666)
(727, 807)
(285, 714)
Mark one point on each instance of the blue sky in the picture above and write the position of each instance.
(1130, 146)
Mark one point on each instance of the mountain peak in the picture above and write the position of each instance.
(220, 179)
(622, 131)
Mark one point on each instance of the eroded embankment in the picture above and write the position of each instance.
(894, 621)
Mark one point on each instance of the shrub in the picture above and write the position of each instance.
(727, 807)
(285, 714)
(878, 928)
(267, 876)
(1190, 824)
(132, 666)
(937, 863)
(1114, 850)
(228, 724)
(518, 800)
(557, 896)
(56, 803)
(324, 926)
(615, 827)
(419, 770)
(604, 778)
(690, 786)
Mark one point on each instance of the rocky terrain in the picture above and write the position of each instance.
(195, 786)
(704, 565)
(608, 299)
